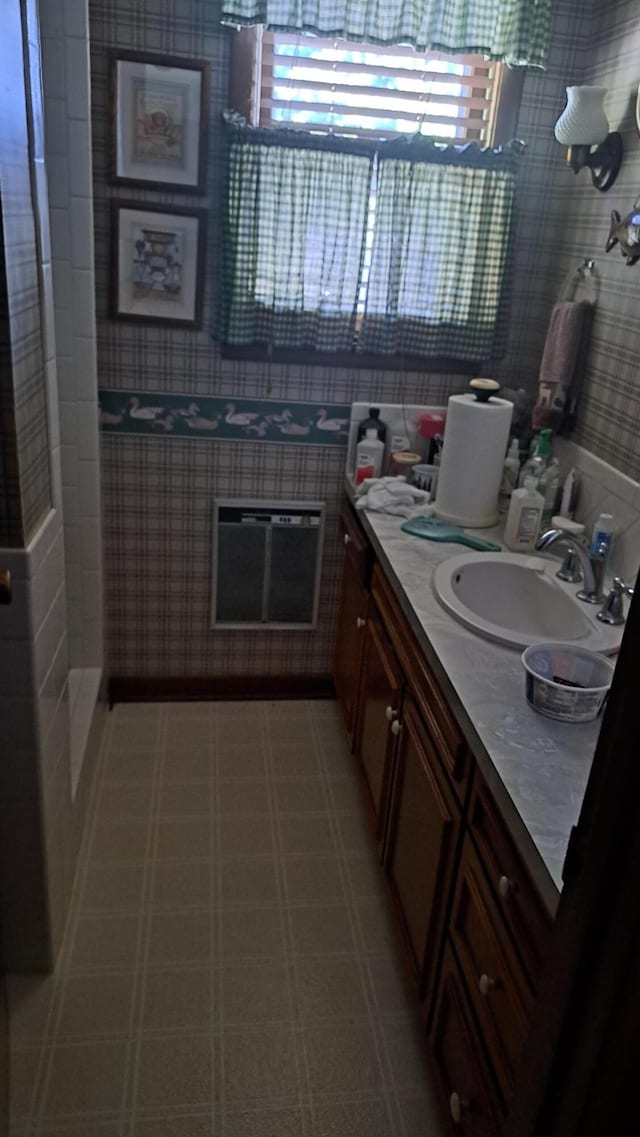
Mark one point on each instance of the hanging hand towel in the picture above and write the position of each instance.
(562, 362)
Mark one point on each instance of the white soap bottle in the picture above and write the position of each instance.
(523, 519)
(369, 456)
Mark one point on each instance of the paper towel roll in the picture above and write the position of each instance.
(475, 443)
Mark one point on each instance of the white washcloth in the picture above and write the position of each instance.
(392, 495)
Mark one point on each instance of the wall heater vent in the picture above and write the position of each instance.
(266, 563)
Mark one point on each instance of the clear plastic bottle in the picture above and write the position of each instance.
(523, 519)
(509, 476)
(602, 536)
(548, 487)
(535, 466)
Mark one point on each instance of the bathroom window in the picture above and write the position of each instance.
(358, 222)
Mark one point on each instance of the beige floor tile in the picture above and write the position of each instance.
(255, 993)
(84, 1128)
(191, 1126)
(266, 1123)
(322, 930)
(260, 1065)
(376, 929)
(135, 733)
(306, 833)
(250, 882)
(294, 761)
(236, 730)
(337, 760)
(183, 839)
(243, 797)
(421, 1115)
(29, 999)
(121, 801)
(86, 1077)
(179, 937)
(355, 832)
(342, 1061)
(369, 1118)
(134, 766)
(224, 709)
(393, 991)
(345, 793)
(186, 885)
(185, 765)
(196, 709)
(96, 1005)
(119, 841)
(112, 888)
(248, 933)
(330, 989)
(405, 1048)
(246, 763)
(105, 941)
(186, 733)
(365, 876)
(313, 879)
(178, 1000)
(174, 1071)
(23, 1072)
(289, 730)
(185, 799)
(304, 795)
(245, 835)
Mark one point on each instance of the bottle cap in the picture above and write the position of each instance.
(374, 412)
(531, 483)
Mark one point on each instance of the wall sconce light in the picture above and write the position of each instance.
(584, 125)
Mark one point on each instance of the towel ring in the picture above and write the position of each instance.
(583, 276)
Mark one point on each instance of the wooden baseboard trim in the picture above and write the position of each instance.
(123, 689)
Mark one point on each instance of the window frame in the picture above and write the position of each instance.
(244, 82)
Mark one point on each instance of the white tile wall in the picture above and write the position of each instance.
(65, 52)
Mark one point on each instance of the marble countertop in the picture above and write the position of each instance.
(536, 768)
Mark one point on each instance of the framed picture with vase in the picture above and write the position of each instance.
(157, 263)
(159, 117)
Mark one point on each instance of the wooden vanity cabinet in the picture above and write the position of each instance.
(419, 856)
(463, 1074)
(378, 716)
(351, 621)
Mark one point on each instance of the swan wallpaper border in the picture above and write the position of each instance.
(223, 417)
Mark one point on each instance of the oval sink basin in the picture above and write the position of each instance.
(517, 600)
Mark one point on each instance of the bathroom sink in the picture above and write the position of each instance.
(517, 600)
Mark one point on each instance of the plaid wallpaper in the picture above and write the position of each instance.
(25, 488)
(158, 492)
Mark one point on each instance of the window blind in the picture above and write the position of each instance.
(332, 86)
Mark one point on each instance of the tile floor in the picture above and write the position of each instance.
(230, 967)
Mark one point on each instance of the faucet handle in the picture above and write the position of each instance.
(570, 570)
(612, 611)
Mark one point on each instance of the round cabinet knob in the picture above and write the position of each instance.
(347, 539)
(390, 713)
(360, 623)
(457, 1106)
(485, 983)
(504, 886)
(396, 727)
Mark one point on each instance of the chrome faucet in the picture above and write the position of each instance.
(612, 611)
(592, 566)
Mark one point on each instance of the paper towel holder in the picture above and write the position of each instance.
(483, 389)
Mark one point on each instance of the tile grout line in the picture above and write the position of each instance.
(43, 1072)
(305, 1097)
(356, 931)
(136, 1011)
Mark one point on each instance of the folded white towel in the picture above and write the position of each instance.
(392, 495)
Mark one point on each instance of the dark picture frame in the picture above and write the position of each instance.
(159, 117)
(154, 279)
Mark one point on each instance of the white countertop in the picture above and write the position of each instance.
(537, 768)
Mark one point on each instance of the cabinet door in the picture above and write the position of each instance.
(464, 1082)
(379, 707)
(423, 827)
(351, 620)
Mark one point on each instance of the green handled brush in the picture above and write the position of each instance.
(432, 529)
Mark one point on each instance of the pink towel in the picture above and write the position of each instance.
(564, 347)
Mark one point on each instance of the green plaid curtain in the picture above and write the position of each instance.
(515, 31)
(297, 271)
(294, 243)
(439, 277)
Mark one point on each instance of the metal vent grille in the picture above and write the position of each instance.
(266, 563)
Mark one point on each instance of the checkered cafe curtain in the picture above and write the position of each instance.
(441, 258)
(299, 208)
(513, 31)
(294, 242)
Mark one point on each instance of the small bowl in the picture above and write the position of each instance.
(423, 476)
(566, 683)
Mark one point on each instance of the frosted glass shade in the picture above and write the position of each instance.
(583, 121)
